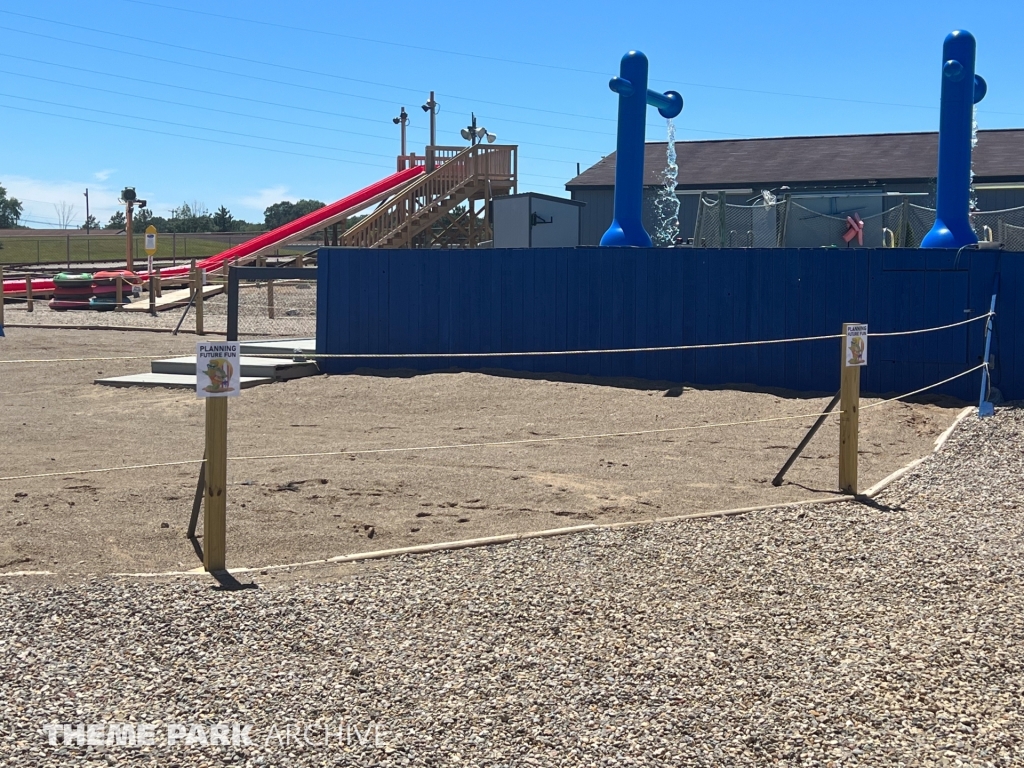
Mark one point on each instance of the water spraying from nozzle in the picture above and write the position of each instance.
(667, 202)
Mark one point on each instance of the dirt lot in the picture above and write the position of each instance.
(285, 510)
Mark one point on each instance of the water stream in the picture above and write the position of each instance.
(973, 195)
(666, 204)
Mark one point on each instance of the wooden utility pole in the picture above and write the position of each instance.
(128, 231)
(215, 508)
(849, 415)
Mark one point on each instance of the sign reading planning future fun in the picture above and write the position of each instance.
(856, 345)
(218, 369)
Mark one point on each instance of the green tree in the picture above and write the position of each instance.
(190, 218)
(116, 221)
(141, 219)
(10, 210)
(279, 214)
(223, 221)
(91, 223)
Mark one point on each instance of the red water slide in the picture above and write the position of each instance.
(293, 230)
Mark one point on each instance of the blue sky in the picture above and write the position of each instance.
(246, 104)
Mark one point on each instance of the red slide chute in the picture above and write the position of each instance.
(293, 229)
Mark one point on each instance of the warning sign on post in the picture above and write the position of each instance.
(150, 240)
(856, 345)
(217, 369)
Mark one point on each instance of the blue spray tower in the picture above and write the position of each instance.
(961, 90)
(627, 226)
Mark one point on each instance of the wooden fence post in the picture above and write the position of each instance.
(215, 508)
(29, 303)
(200, 284)
(270, 299)
(118, 291)
(849, 417)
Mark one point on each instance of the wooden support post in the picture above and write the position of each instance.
(200, 284)
(215, 508)
(849, 420)
(270, 299)
(300, 261)
(29, 303)
(159, 285)
(152, 294)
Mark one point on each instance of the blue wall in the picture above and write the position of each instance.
(400, 301)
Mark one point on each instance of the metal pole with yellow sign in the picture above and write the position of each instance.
(150, 245)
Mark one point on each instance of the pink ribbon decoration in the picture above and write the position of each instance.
(856, 229)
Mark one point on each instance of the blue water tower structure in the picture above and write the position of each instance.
(961, 90)
(627, 227)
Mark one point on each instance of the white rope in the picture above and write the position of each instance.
(495, 443)
(549, 353)
(364, 451)
(925, 389)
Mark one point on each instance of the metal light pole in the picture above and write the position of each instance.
(470, 132)
(402, 120)
(130, 200)
(431, 107)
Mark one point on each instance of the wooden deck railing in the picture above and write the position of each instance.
(452, 181)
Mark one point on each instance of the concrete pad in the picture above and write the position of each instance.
(171, 381)
(277, 368)
(282, 347)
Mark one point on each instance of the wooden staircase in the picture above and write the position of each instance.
(440, 209)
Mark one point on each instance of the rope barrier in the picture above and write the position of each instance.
(568, 352)
(495, 443)
(104, 469)
(454, 446)
(925, 389)
(936, 328)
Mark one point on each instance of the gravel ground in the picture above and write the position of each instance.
(879, 634)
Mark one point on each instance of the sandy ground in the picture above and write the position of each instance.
(293, 509)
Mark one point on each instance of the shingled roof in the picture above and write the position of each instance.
(720, 164)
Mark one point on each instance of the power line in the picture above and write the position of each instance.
(304, 86)
(306, 30)
(320, 73)
(195, 90)
(193, 138)
(241, 98)
(196, 106)
(199, 138)
(192, 127)
(519, 62)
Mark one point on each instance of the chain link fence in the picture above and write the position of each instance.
(1012, 237)
(267, 307)
(727, 225)
(20, 247)
(774, 223)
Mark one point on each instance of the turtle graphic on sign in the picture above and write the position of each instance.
(217, 369)
(219, 372)
(856, 345)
